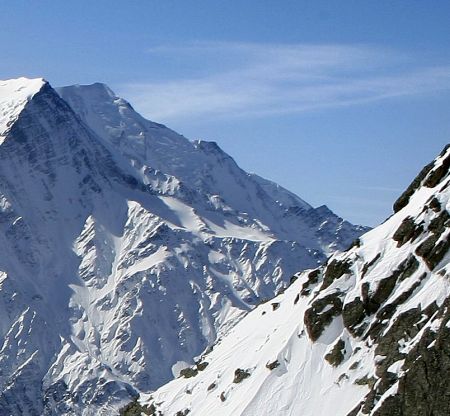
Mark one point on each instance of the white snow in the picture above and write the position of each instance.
(127, 248)
(304, 383)
(14, 95)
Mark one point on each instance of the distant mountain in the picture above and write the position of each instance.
(368, 333)
(128, 250)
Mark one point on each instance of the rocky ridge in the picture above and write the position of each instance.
(368, 333)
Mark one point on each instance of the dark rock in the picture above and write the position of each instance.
(222, 396)
(436, 176)
(356, 410)
(367, 266)
(407, 231)
(202, 365)
(321, 313)
(372, 302)
(334, 271)
(188, 372)
(353, 314)
(385, 287)
(355, 243)
(440, 223)
(403, 200)
(136, 409)
(240, 375)
(272, 365)
(275, 306)
(313, 278)
(386, 312)
(212, 386)
(336, 355)
(435, 205)
(423, 386)
(366, 381)
(407, 268)
(431, 252)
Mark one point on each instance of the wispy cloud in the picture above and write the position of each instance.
(382, 189)
(255, 80)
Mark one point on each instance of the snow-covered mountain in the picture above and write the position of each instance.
(128, 250)
(368, 333)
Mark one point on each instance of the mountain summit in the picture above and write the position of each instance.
(128, 250)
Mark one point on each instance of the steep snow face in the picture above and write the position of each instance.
(201, 174)
(115, 271)
(366, 334)
(14, 94)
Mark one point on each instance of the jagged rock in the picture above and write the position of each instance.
(337, 353)
(403, 200)
(202, 365)
(240, 375)
(136, 409)
(353, 314)
(367, 266)
(273, 365)
(423, 388)
(188, 372)
(321, 313)
(334, 271)
(440, 223)
(313, 278)
(431, 252)
(435, 205)
(438, 174)
(408, 231)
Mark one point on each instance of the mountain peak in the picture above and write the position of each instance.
(145, 246)
(14, 95)
(97, 90)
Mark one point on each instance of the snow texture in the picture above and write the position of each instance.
(286, 345)
(128, 249)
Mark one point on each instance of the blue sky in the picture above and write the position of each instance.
(341, 102)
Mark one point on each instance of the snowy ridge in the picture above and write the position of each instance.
(14, 95)
(200, 173)
(127, 250)
(366, 334)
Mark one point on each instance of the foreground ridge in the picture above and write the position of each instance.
(368, 333)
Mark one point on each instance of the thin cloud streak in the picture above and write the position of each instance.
(382, 189)
(261, 80)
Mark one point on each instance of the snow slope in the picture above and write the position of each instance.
(14, 94)
(127, 249)
(368, 333)
(199, 173)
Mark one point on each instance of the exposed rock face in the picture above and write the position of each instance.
(127, 249)
(368, 333)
